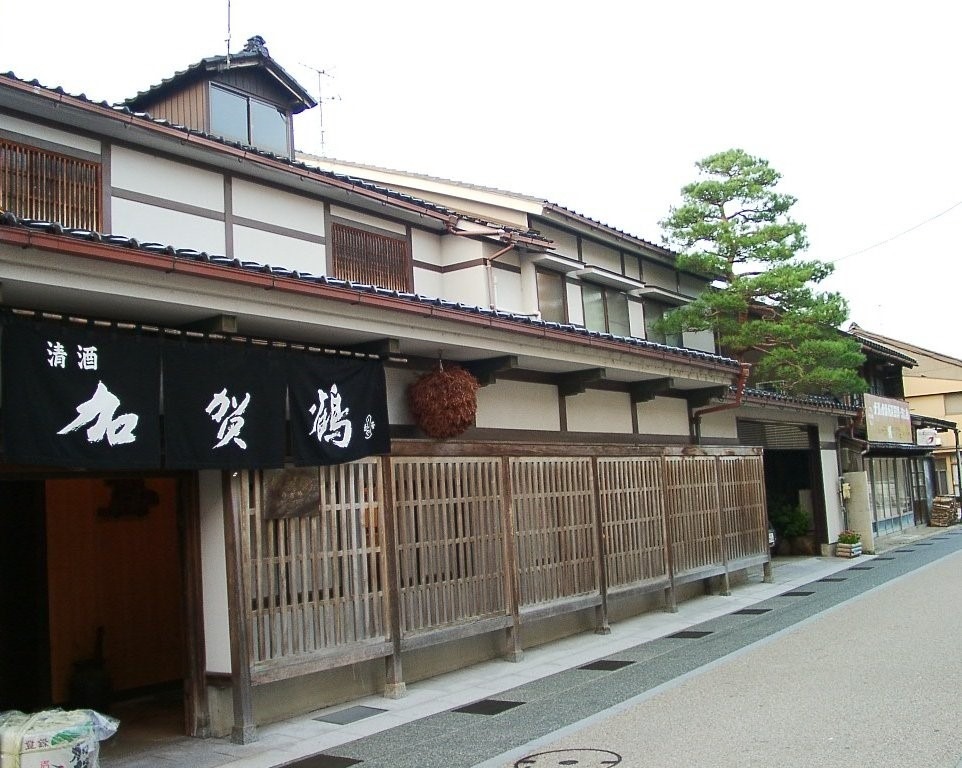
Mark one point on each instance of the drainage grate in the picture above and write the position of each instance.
(323, 761)
(751, 611)
(903, 550)
(884, 558)
(924, 544)
(833, 578)
(797, 593)
(861, 568)
(606, 665)
(690, 634)
(488, 707)
(349, 715)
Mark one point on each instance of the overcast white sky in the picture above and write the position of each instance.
(602, 107)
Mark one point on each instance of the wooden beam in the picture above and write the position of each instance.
(215, 324)
(381, 347)
(486, 370)
(698, 397)
(576, 382)
(643, 391)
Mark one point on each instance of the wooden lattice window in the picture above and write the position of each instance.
(37, 184)
(371, 258)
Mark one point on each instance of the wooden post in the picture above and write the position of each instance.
(601, 559)
(244, 730)
(197, 715)
(671, 603)
(512, 577)
(394, 687)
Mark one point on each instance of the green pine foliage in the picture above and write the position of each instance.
(763, 306)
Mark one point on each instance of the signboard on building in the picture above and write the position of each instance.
(887, 420)
(927, 436)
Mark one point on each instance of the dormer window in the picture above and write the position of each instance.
(240, 117)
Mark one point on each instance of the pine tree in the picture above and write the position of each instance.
(763, 305)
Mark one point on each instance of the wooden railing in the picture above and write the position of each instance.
(478, 543)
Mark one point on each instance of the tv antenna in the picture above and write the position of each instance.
(227, 41)
(321, 98)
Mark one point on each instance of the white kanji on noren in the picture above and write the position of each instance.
(330, 422)
(56, 355)
(100, 410)
(87, 358)
(229, 413)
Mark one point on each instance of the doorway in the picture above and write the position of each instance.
(95, 615)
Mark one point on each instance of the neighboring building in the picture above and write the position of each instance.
(887, 457)
(210, 466)
(933, 389)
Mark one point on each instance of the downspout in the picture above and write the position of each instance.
(740, 385)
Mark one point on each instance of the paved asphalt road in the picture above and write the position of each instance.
(874, 680)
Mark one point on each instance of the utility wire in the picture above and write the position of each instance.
(896, 237)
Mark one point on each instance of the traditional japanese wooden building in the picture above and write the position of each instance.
(211, 466)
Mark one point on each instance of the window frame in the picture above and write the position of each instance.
(248, 100)
(563, 283)
(606, 293)
(660, 338)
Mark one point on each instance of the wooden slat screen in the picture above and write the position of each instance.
(315, 579)
(42, 185)
(554, 528)
(742, 480)
(632, 519)
(450, 540)
(692, 491)
(370, 258)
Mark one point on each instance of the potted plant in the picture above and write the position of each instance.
(791, 526)
(849, 544)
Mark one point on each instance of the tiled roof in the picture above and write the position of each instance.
(813, 401)
(362, 185)
(254, 54)
(576, 332)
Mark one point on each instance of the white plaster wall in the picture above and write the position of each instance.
(599, 255)
(599, 411)
(691, 286)
(565, 244)
(469, 286)
(138, 172)
(663, 416)
(427, 282)
(529, 288)
(833, 506)
(148, 223)
(279, 250)
(720, 425)
(214, 571)
(576, 307)
(658, 276)
(282, 209)
(700, 340)
(426, 247)
(518, 405)
(455, 250)
(397, 380)
(371, 221)
(52, 135)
